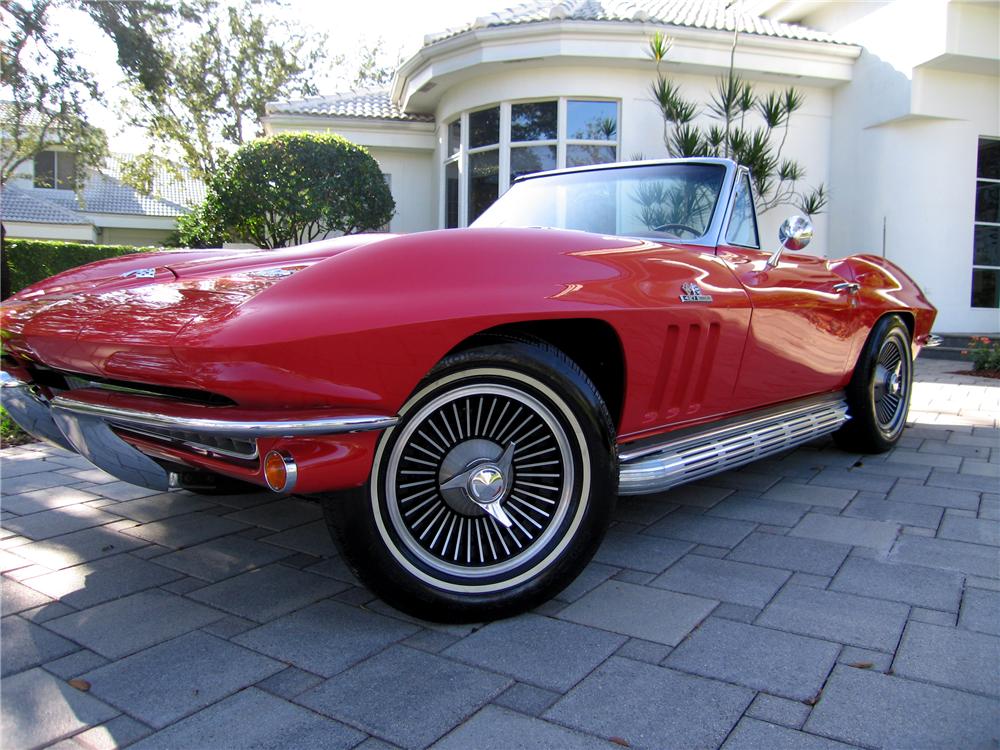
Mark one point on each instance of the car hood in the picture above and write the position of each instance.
(81, 319)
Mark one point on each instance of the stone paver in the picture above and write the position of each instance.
(638, 552)
(876, 710)
(792, 553)
(413, 712)
(830, 615)
(265, 593)
(816, 601)
(980, 611)
(180, 677)
(184, 531)
(777, 663)
(878, 535)
(230, 724)
(949, 656)
(922, 587)
(24, 644)
(327, 637)
(538, 650)
(751, 734)
(66, 710)
(641, 612)
(222, 558)
(726, 580)
(16, 597)
(653, 707)
(124, 626)
(495, 728)
(92, 583)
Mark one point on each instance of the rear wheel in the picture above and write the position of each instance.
(879, 393)
(490, 494)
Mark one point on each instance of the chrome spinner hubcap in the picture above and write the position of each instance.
(479, 481)
(889, 385)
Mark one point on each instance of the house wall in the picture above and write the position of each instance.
(411, 183)
(32, 231)
(904, 144)
(130, 236)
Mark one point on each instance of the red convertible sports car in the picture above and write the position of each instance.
(467, 404)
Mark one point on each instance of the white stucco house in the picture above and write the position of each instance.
(42, 201)
(901, 119)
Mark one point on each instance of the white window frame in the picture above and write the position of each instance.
(505, 145)
(56, 152)
(977, 223)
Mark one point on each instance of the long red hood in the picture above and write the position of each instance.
(78, 320)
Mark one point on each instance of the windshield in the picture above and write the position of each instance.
(673, 201)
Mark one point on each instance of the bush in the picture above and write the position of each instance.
(29, 261)
(985, 354)
(200, 227)
(290, 189)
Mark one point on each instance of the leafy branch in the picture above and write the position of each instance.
(748, 127)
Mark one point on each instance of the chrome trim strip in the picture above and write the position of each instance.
(232, 428)
(659, 468)
(933, 340)
(10, 381)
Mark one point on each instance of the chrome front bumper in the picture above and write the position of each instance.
(77, 423)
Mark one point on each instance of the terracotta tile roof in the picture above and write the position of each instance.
(365, 104)
(698, 14)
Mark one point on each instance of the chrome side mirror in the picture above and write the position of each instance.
(794, 234)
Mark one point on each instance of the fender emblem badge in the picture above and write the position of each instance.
(692, 293)
(140, 273)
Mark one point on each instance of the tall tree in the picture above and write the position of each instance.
(44, 86)
(375, 68)
(217, 82)
(44, 89)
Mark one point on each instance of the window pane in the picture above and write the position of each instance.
(986, 247)
(65, 170)
(985, 287)
(451, 195)
(580, 156)
(484, 127)
(45, 169)
(742, 226)
(454, 137)
(527, 159)
(987, 201)
(484, 181)
(535, 121)
(594, 121)
(989, 158)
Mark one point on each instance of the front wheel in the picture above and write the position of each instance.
(490, 494)
(878, 396)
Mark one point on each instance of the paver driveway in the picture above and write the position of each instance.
(821, 600)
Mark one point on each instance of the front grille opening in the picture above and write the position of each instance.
(65, 381)
(199, 442)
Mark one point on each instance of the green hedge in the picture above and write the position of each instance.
(29, 261)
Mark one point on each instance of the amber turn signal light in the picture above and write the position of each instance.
(280, 471)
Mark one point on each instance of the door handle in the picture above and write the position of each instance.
(850, 287)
